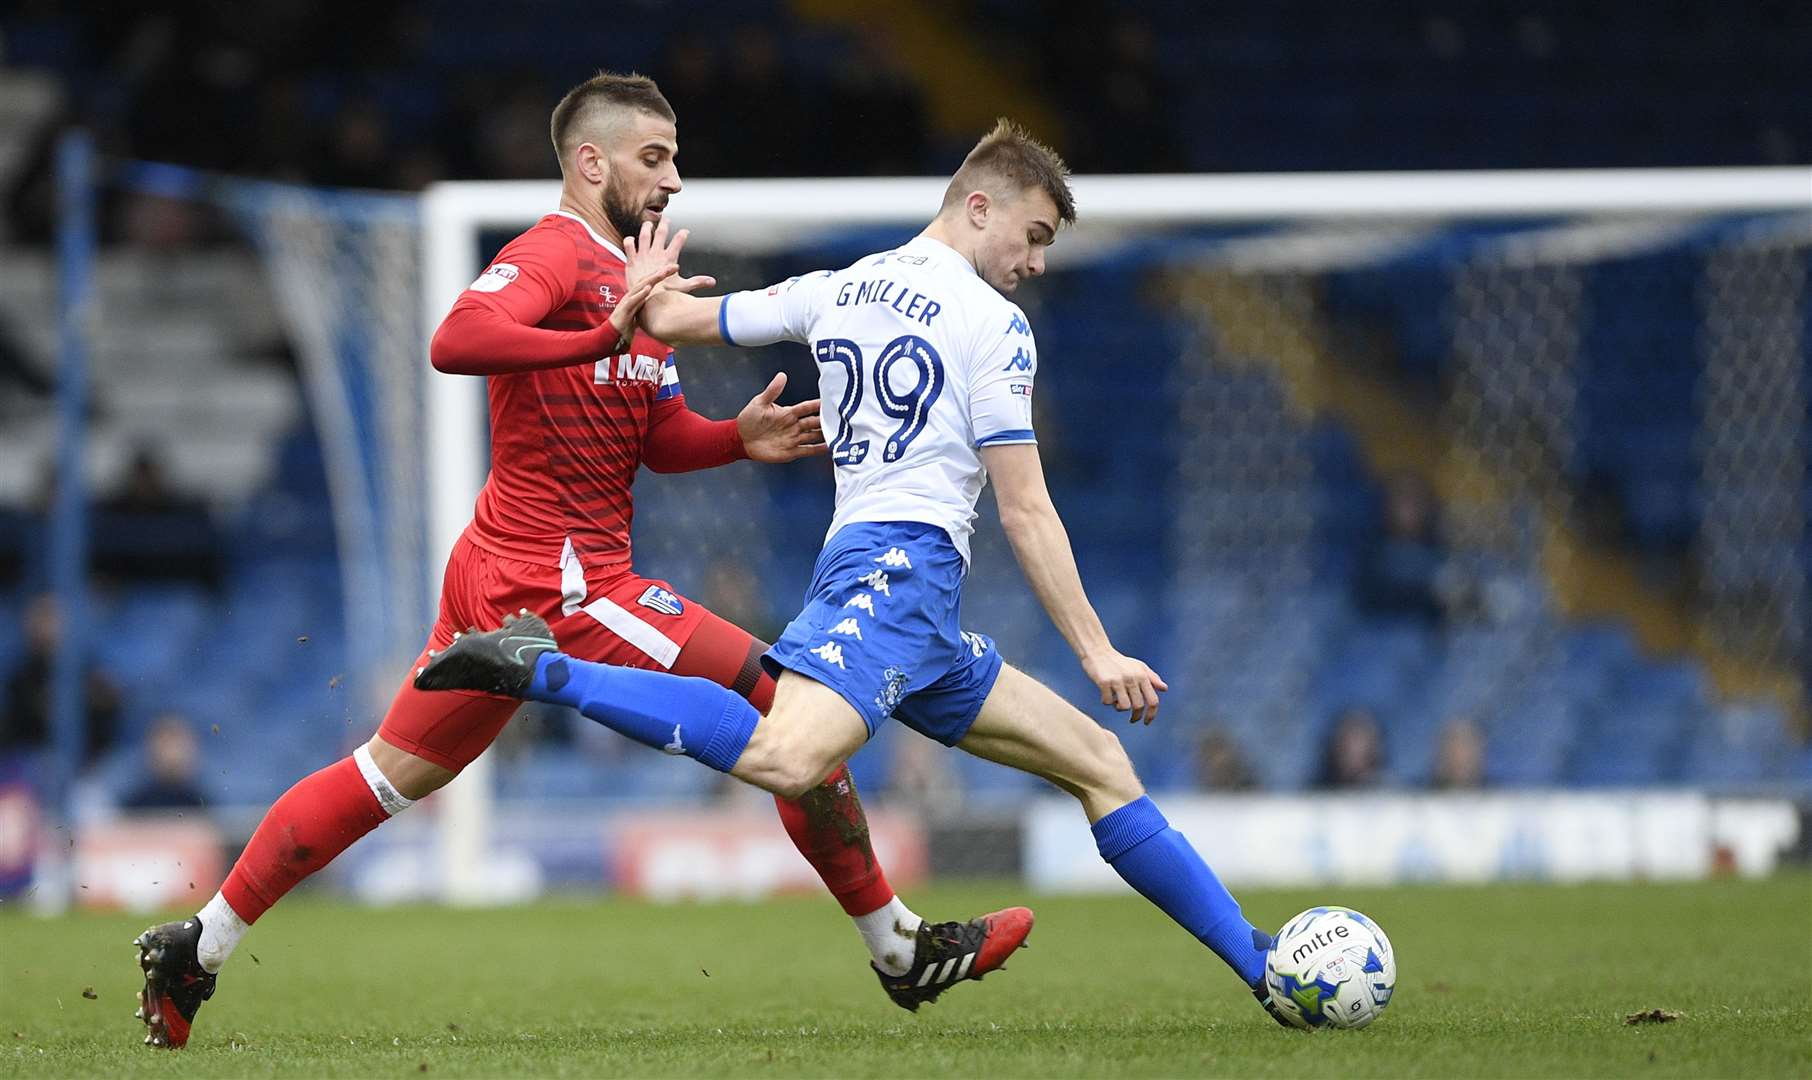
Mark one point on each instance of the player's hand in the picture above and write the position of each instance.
(652, 255)
(628, 309)
(1126, 683)
(777, 433)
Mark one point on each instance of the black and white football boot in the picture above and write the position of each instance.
(947, 953)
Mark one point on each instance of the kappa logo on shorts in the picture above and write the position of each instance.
(861, 600)
(977, 644)
(876, 580)
(895, 558)
(848, 627)
(831, 653)
(659, 599)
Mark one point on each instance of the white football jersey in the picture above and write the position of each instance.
(920, 364)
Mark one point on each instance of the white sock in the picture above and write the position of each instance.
(221, 929)
(891, 934)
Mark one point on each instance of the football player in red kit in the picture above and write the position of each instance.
(579, 400)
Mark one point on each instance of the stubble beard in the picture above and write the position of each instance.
(623, 213)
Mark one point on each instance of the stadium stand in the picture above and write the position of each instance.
(1270, 661)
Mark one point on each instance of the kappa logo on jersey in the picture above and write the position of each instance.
(848, 627)
(494, 278)
(876, 580)
(895, 558)
(1021, 361)
(977, 644)
(861, 600)
(831, 653)
(1018, 326)
(661, 600)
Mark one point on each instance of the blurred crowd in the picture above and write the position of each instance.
(395, 94)
(369, 95)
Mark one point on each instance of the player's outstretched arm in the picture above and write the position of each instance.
(493, 328)
(1042, 546)
(669, 313)
(680, 440)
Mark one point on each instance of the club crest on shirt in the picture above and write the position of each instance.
(661, 600)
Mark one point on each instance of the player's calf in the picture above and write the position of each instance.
(1025, 725)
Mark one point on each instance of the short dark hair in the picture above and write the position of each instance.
(606, 90)
(1010, 156)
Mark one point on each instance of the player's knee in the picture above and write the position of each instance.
(783, 765)
(1112, 772)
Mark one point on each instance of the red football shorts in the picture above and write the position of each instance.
(613, 616)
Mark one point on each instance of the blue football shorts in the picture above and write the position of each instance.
(882, 626)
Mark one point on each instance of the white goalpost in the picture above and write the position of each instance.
(1628, 208)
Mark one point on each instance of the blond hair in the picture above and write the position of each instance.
(1007, 161)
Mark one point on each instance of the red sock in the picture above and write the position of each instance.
(303, 831)
(829, 828)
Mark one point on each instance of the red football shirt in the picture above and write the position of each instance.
(566, 440)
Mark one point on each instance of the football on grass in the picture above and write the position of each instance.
(1331, 967)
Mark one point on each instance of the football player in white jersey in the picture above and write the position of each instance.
(931, 368)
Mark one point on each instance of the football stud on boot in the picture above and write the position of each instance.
(947, 953)
(500, 661)
(175, 982)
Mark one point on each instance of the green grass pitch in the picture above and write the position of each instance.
(1499, 981)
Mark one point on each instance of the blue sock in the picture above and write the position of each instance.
(1156, 860)
(694, 717)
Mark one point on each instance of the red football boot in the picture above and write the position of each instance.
(947, 953)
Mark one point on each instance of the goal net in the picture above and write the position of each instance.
(1513, 464)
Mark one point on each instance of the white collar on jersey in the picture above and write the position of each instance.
(603, 243)
(939, 249)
